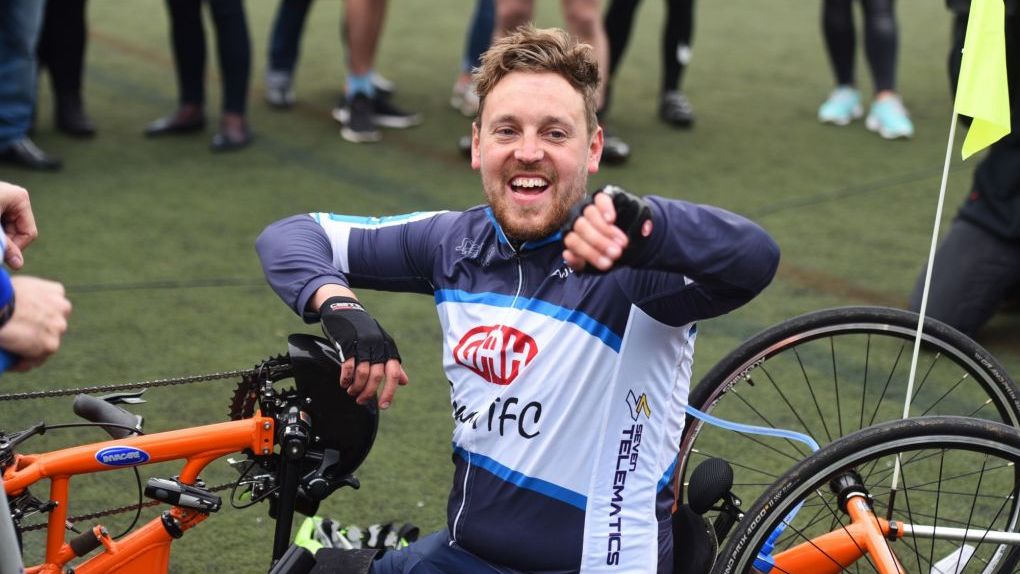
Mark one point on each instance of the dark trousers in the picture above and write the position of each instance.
(676, 35)
(974, 273)
(286, 35)
(61, 47)
(479, 34)
(232, 43)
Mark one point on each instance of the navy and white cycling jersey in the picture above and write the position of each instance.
(568, 389)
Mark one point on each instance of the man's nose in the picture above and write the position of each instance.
(529, 149)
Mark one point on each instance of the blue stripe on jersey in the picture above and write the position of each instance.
(369, 221)
(515, 478)
(499, 230)
(586, 322)
(667, 477)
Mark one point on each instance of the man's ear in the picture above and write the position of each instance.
(595, 150)
(476, 156)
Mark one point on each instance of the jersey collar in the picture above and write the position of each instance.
(527, 245)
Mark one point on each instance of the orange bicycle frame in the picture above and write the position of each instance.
(145, 550)
(836, 551)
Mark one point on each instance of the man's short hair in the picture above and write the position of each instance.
(541, 50)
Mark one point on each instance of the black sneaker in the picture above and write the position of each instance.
(388, 115)
(356, 117)
(384, 114)
(674, 109)
(384, 87)
(614, 150)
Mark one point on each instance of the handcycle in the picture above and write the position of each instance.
(826, 374)
(301, 443)
(924, 495)
(950, 362)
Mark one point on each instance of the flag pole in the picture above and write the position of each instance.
(927, 286)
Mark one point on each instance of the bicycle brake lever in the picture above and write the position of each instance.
(19, 437)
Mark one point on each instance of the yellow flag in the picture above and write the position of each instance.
(982, 92)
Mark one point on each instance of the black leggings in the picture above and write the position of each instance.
(62, 45)
(881, 40)
(676, 35)
(232, 43)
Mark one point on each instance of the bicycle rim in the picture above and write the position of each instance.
(830, 373)
(954, 473)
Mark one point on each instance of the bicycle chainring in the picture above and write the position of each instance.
(249, 388)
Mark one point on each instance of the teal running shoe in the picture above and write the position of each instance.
(842, 107)
(889, 118)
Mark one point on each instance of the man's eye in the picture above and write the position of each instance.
(504, 131)
(557, 134)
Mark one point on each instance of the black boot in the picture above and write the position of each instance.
(71, 117)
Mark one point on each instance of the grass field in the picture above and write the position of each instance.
(154, 238)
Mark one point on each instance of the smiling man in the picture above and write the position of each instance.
(568, 322)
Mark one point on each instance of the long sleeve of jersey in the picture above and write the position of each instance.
(725, 260)
(299, 254)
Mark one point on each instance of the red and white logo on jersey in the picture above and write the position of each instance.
(497, 353)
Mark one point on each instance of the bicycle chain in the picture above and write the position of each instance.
(243, 373)
(248, 378)
(128, 386)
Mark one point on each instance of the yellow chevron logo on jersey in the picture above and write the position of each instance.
(638, 405)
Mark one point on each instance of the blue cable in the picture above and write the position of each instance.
(740, 427)
(764, 562)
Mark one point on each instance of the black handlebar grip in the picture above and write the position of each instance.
(100, 411)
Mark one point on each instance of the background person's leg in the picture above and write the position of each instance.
(20, 23)
(881, 43)
(674, 108)
(285, 38)
(284, 48)
(188, 41)
(62, 51)
(840, 38)
(973, 274)
(844, 103)
(233, 45)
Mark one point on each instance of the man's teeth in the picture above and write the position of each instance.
(528, 182)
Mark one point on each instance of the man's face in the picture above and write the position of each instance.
(534, 152)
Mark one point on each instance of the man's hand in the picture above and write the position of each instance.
(604, 227)
(18, 222)
(39, 321)
(369, 355)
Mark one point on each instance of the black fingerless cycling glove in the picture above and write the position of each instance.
(355, 333)
(631, 214)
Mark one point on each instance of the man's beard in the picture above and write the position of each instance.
(539, 222)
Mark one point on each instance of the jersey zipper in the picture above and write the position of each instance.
(467, 467)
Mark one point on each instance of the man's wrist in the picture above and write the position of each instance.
(340, 303)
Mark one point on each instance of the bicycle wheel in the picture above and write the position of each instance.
(957, 477)
(832, 372)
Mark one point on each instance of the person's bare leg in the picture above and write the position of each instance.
(512, 14)
(584, 21)
(364, 21)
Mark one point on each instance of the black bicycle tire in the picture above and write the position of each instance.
(983, 367)
(973, 434)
